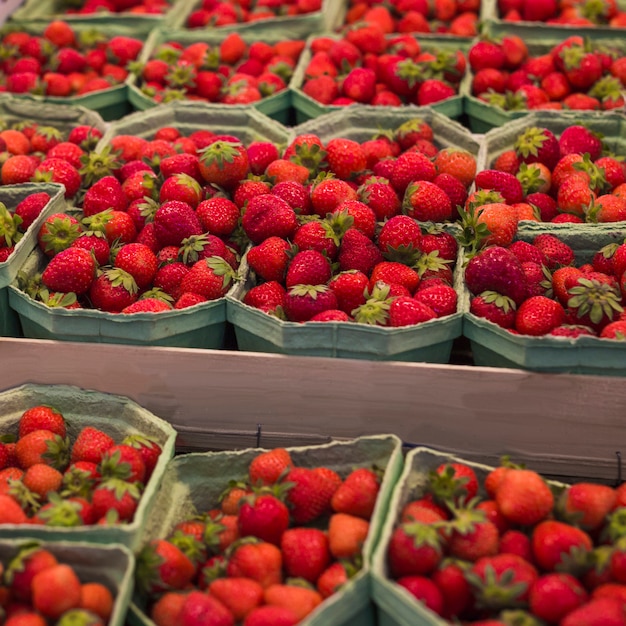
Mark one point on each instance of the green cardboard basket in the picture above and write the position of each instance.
(307, 108)
(117, 416)
(495, 347)
(496, 26)
(482, 116)
(256, 331)
(329, 18)
(194, 481)
(42, 12)
(110, 103)
(277, 106)
(395, 605)
(199, 326)
(611, 125)
(112, 565)
(246, 123)
(11, 196)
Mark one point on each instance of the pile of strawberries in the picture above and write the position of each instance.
(15, 221)
(269, 552)
(441, 17)
(231, 72)
(215, 13)
(510, 548)
(570, 178)
(146, 241)
(537, 289)
(573, 74)
(318, 251)
(582, 13)
(63, 62)
(41, 589)
(367, 66)
(136, 7)
(47, 479)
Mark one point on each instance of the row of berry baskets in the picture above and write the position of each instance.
(292, 76)
(355, 235)
(101, 524)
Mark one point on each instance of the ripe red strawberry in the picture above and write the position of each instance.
(147, 447)
(175, 221)
(308, 267)
(161, 566)
(267, 467)
(302, 301)
(139, 261)
(587, 504)
(90, 445)
(496, 269)
(310, 496)
(269, 259)
(306, 553)
(211, 278)
(539, 315)
(523, 497)
(414, 549)
(266, 216)
(557, 545)
(507, 184)
(330, 193)
(239, 595)
(357, 494)
(349, 288)
(30, 208)
(113, 290)
(224, 163)
(55, 590)
(260, 561)
(494, 307)
(345, 158)
(41, 417)
(71, 270)
(427, 202)
(406, 311)
(218, 216)
(263, 516)
(394, 273)
(59, 171)
(317, 235)
(411, 167)
(538, 144)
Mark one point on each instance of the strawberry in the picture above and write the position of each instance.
(330, 193)
(218, 216)
(594, 302)
(496, 269)
(25, 565)
(426, 202)
(425, 591)
(263, 516)
(357, 494)
(494, 307)
(411, 167)
(18, 169)
(301, 600)
(269, 259)
(59, 171)
(90, 445)
(539, 315)
(11, 511)
(601, 611)
(41, 417)
(239, 595)
(161, 566)
(41, 479)
(538, 144)
(555, 595)
(174, 221)
(379, 196)
(317, 235)
(97, 599)
(587, 504)
(393, 273)
(267, 467)
(406, 311)
(41, 446)
(55, 590)
(523, 497)
(224, 163)
(260, 561)
(113, 290)
(308, 267)
(303, 301)
(310, 496)
(271, 615)
(557, 545)
(210, 278)
(118, 495)
(349, 288)
(266, 216)
(345, 157)
(507, 184)
(30, 207)
(306, 553)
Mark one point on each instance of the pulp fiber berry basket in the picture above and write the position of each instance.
(193, 482)
(246, 123)
(496, 26)
(361, 123)
(307, 108)
(111, 565)
(11, 196)
(199, 326)
(395, 605)
(611, 125)
(42, 12)
(495, 347)
(115, 415)
(256, 331)
(276, 106)
(111, 103)
(483, 116)
(327, 19)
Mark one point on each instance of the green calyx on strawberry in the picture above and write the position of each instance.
(166, 53)
(597, 178)
(112, 468)
(607, 88)
(375, 310)
(28, 500)
(211, 537)
(465, 517)
(192, 247)
(9, 226)
(530, 178)
(97, 165)
(220, 153)
(310, 155)
(519, 617)
(96, 223)
(615, 528)
(120, 278)
(473, 233)
(431, 262)
(596, 299)
(496, 591)
(192, 548)
(60, 512)
(60, 233)
(157, 293)
(220, 267)
(502, 302)
(147, 209)
(77, 482)
(446, 486)
(533, 141)
(410, 72)
(169, 95)
(337, 224)
(181, 76)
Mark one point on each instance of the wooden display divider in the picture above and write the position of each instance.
(559, 424)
